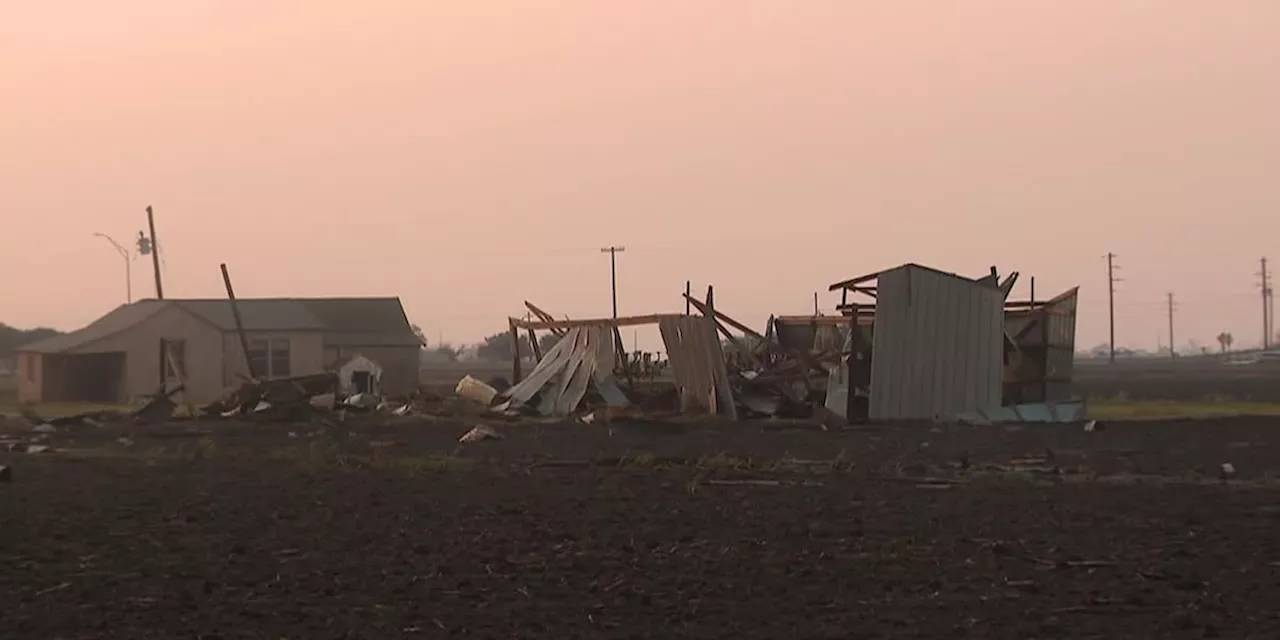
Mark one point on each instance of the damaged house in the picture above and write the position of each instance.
(132, 351)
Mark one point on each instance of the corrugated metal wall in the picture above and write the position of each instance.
(937, 345)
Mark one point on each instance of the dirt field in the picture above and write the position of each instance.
(635, 531)
(1191, 380)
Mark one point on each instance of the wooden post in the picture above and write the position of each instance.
(155, 253)
(851, 413)
(721, 390)
(515, 351)
(533, 344)
(235, 313)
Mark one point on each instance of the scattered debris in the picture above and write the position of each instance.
(480, 432)
(1227, 471)
(6, 474)
(473, 389)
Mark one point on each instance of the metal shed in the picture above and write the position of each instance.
(938, 345)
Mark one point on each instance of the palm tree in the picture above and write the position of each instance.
(1224, 341)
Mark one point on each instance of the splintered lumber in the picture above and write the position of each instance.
(720, 375)
(708, 311)
(624, 321)
(545, 317)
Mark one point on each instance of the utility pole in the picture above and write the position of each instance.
(613, 274)
(1266, 305)
(128, 270)
(1111, 300)
(613, 290)
(815, 304)
(1173, 352)
(155, 252)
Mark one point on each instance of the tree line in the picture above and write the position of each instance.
(12, 338)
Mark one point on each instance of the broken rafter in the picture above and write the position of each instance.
(624, 321)
(852, 283)
(702, 308)
(545, 317)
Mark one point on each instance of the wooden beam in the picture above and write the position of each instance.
(824, 321)
(704, 310)
(624, 321)
(545, 317)
(725, 402)
(851, 282)
(235, 314)
(533, 344)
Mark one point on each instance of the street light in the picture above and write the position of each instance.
(128, 270)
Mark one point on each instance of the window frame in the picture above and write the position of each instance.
(266, 354)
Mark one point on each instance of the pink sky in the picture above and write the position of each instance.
(469, 154)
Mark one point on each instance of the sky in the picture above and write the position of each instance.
(468, 155)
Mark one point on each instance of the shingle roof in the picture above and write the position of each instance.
(119, 319)
(344, 321)
(367, 322)
(258, 314)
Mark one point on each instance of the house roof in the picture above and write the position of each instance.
(367, 322)
(257, 314)
(344, 321)
(117, 320)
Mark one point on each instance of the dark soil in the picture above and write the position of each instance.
(394, 531)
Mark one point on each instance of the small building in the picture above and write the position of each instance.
(359, 374)
(937, 342)
(131, 351)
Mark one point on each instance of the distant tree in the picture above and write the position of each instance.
(498, 347)
(11, 338)
(444, 353)
(1224, 341)
(547, 341)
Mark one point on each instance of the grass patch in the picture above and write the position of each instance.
(61, 409)
(1120, 409)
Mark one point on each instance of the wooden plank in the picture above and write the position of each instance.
(720, 375)
(576, 385)
(679, 340)
(547, 368)
(533, 344)
(823, 321)
(581, 350)
(543, 316)
(624, 321)
(235, 315)
(704, 310)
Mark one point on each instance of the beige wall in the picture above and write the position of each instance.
(305, 353)
(141, 344)
(400, 365)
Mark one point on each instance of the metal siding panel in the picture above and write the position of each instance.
(886, 364)
(938, 345)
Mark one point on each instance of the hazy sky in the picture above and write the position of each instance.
(469, 154)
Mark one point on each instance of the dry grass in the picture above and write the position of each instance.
(1121, 409)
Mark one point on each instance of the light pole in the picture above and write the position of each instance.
(128, 270)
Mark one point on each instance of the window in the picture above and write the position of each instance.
(175, 355)
(269, 357)
(279, 358)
